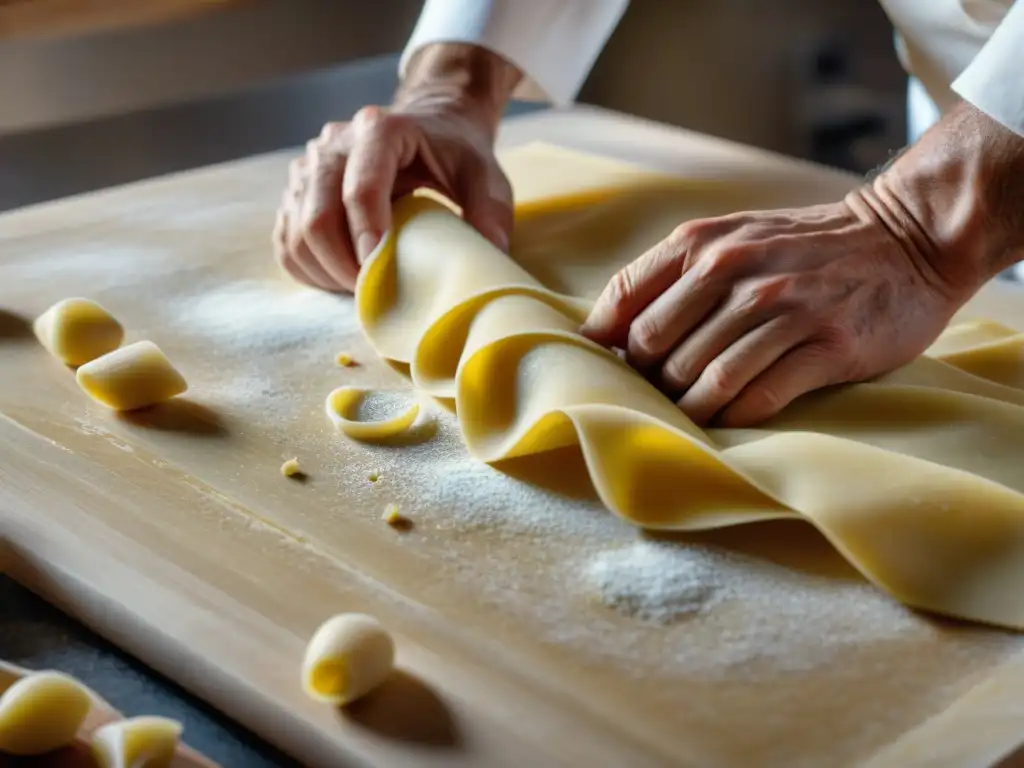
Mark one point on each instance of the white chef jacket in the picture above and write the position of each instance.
(973, 49)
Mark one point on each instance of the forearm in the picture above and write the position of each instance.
(956, 198)
(460, 76)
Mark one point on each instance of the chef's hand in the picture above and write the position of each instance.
(439, 133)
(740, 315)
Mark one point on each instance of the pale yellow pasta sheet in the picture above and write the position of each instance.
(916, 478)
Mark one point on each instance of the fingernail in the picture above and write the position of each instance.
(365, 244)
(593, 329)
(500, 239)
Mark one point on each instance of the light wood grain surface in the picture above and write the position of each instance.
(173, 533)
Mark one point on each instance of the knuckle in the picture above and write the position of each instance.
(692, 232)
(315, 223)
(841, 340)
(331, 131)
(764, 294)
(677, 373)
(375, 121)
(367, 115)
(726, 259)
(645, 336)
(620, 287)
(721, 379)
(360, 194)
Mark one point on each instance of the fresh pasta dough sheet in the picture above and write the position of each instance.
(913, 477)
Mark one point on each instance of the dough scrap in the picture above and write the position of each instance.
(348, 656)
(132, 377)
(341, 409)
(78, 330)
(914, 477)
(42, 712)
(138, 742)
(291, 468)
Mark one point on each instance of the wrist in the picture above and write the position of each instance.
(465, 79)
(955, 199)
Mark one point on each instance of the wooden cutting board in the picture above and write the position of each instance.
(173, 533)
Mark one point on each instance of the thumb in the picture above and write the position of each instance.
(487, 206)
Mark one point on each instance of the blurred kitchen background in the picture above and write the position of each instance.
(102, 92)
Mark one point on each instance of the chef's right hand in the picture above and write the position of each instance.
(439, 134)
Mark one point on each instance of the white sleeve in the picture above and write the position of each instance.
(553, 42)
(994, 80)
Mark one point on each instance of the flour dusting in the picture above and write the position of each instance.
(382, 405)
(654, 581)
(265, 316)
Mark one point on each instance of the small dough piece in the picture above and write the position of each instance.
(345, 361)
(347, 657)
(393, 517)
(42, 712)
(131, 377)
(78, 330)
(291, 468)
(341, 408)
(139, 742)
(374, 476)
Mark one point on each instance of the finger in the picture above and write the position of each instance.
(324, 227)
(745, 310)
(486, 199)
(307, 264)
(803, 369)
(295, 256)
(727, 375)
(287, 263)
(631, 290)
(373, 164)
(670, 317)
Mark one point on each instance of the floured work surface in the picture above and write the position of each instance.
(533, 629)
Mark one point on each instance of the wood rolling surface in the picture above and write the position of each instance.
(173, 533)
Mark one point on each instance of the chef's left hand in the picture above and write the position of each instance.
(737, 316)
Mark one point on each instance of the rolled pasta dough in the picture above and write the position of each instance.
(138, 742)
(78, 330)
(41, 712)
(132, 377)
(347, 657)
(341, 410)
(914, 477)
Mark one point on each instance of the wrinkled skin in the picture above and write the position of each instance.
(337, 205)
(739, 315)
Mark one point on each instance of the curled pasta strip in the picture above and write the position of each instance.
(341, 408)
